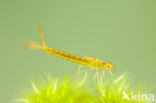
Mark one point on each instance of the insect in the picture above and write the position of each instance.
(93, 63)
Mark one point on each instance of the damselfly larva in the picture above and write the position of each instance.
(94, 63)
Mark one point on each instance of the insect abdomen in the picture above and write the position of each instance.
(66, 56)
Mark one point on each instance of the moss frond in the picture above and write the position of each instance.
(113, 91)
(73, 91)
(58, 91)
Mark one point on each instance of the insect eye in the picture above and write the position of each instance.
(108, 66)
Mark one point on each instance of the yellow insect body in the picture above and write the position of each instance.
(73, 58)
(85, 61)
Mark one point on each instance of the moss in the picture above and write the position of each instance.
(113, 92)
(78, 91)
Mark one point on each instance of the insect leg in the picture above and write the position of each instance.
(105, 77)
(78, 73)
(98, 76)
(79, 68)
(86, 70)
(111, 73)
(94, 78)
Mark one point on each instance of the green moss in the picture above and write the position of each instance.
(78, 91)
(113, 92)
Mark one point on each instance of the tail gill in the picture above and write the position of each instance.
(34, 45)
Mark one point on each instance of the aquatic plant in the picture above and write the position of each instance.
(68, 90)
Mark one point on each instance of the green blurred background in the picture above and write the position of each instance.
(121, 31)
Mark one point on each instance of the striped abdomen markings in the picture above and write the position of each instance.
(67, 56)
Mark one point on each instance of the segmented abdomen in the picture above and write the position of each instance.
(67, 56)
